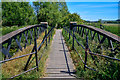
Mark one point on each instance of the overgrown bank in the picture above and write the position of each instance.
(15, 67)
(105, 68)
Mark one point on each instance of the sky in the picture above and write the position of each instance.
(92, 0)
(94, 10)
(77, 0)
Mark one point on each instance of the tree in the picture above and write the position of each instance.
(100, 21)
(22, 13)
(52, 12)
(63, 10)
(49, 12)
(17, 13)
(37, 8)
(73, 17)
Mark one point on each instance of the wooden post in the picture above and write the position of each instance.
(86, 50)
(78, 30)
(49, 37)
(46, 37)
(69, 33)
(35, 44)
(71, 28)
(45, 25)
(71, 25)
(73, 41)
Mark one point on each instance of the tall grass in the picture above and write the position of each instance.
(106, 69)
(14, 47)
(113, 28)
(16, 66)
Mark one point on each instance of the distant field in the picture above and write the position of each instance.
(113, 28)
(111, 24)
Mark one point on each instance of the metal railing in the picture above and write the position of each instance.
(90, 33)
(25, 35)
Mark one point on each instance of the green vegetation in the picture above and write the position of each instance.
(16, 66)
(106, 68)
(113, 28)
(6, 30)
(22, 13)
(14, 47)
(17, 13)
(55, 13)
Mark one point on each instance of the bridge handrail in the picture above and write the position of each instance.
(14, 33)
(90, 52)
(45, 37)
(111, 37)
(102, 32)
(34, 50)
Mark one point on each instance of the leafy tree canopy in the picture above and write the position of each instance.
(22, 13)
(17, 13)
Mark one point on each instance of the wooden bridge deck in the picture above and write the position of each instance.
(59, 63)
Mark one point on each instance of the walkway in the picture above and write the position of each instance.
(59, 63)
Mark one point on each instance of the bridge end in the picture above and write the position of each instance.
(71, 25)
(44, 24)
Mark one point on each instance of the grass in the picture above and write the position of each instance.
(106, 69)
(111, 24)
(113, 28)
(0, 72)
(14, 46)
(16, 66)
(6, 30)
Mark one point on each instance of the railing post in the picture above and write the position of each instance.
(45, 25)
(73, 41)
(72, 28)
(35, 44)
(69, 33)
(49, 37)
(86, 50)
(46, 37)
(78, 30)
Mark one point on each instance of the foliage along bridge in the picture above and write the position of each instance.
(59, 63)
